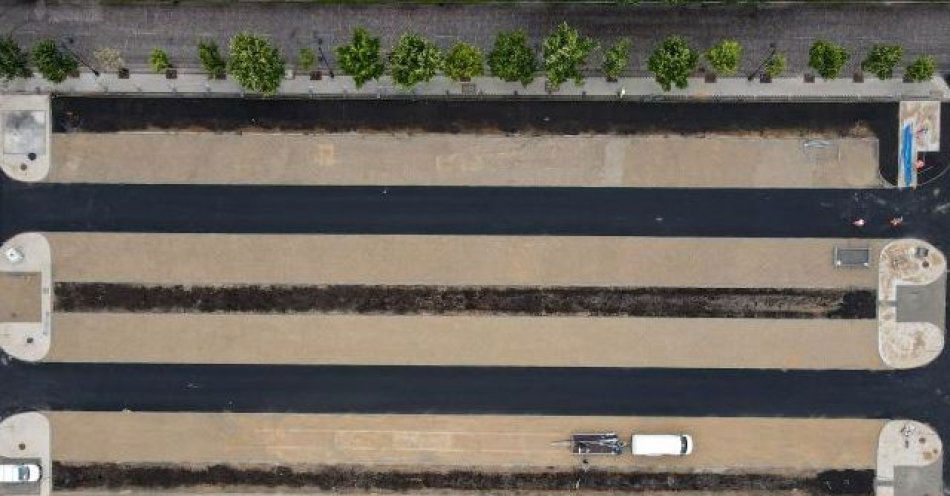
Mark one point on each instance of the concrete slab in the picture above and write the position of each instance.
(25, 126)
(28, 340)
(909, 460)
(768, 445)
(916, 270)
(447, 260)
(26, 437)
(470, 160)
(487, 341)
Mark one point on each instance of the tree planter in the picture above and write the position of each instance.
(171, 73)
(74, 74)
(710, 77)
(907, 79)
(611, 79)
(316, 75)
(809, 77)
(221, 76)
(765, 78)
(858, 77)
(123, 73)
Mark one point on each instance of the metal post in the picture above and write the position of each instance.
(323, 58)
(764, 61)
(77, 57)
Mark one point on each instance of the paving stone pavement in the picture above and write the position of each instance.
(136, 29)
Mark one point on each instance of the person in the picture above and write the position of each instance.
(858, 223)
(896, 221)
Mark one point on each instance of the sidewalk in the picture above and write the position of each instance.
(781, 89)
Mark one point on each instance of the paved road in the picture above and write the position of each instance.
(920, 394)
(135, 30)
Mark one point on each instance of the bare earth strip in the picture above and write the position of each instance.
(19, 297)
(473, 160)
(456, 260)
(486, 341)
(777, 445)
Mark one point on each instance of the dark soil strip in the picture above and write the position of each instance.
(547, 116)
(439, 300)
(114, 477)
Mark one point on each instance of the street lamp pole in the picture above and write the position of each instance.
(77, 57)
(764, 61)
(323, 58)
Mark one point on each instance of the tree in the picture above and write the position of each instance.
(109, 58)
(463, 62)
(827, 59)
(14, 62)
(53, 63)
(158, 59)
(672, 62)
(725, 57)
(775, 66)
(921, 69)
(306, 59)
(512, 59)
(414, 60)
(616, 58)
(255, 63)
(563, 51)
(882, 59)
(211, 59)
(361, 58)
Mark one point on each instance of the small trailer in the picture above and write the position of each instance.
(598, 443)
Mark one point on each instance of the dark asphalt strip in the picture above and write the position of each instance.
(463, 210)
(347, 478)
(472, 390)
(776, 303)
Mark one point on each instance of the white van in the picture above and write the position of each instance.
(20, 472)
(661, 444)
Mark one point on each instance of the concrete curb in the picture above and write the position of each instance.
(25, 437)
(905, 345)
(644, 88)
(909, 460)
(29, 341)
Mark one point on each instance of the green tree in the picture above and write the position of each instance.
(564, 51)
(616, 58)
(882, 59)
(463, 62)
(53, 63)
(14, 62)
(512, 59)
(775, 66)
(672, 62)
(725, 57)
(109, 59)
(211, 59)
(361, 58)
(255, 63)
(306, 59)
(414, 60)
(921, 69)
(827, 59)
(158, 59)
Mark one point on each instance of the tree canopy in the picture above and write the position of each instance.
(672, 62)
(922, 69)
(52, 62)
(255, 63)
(725, 57)
(616, 58)
(14, 62)
(512, 59)
(564, 51)
(361, 58)
(464, 61)
(827, 59)
(414, 60)
(882, 59)
(211, 59)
